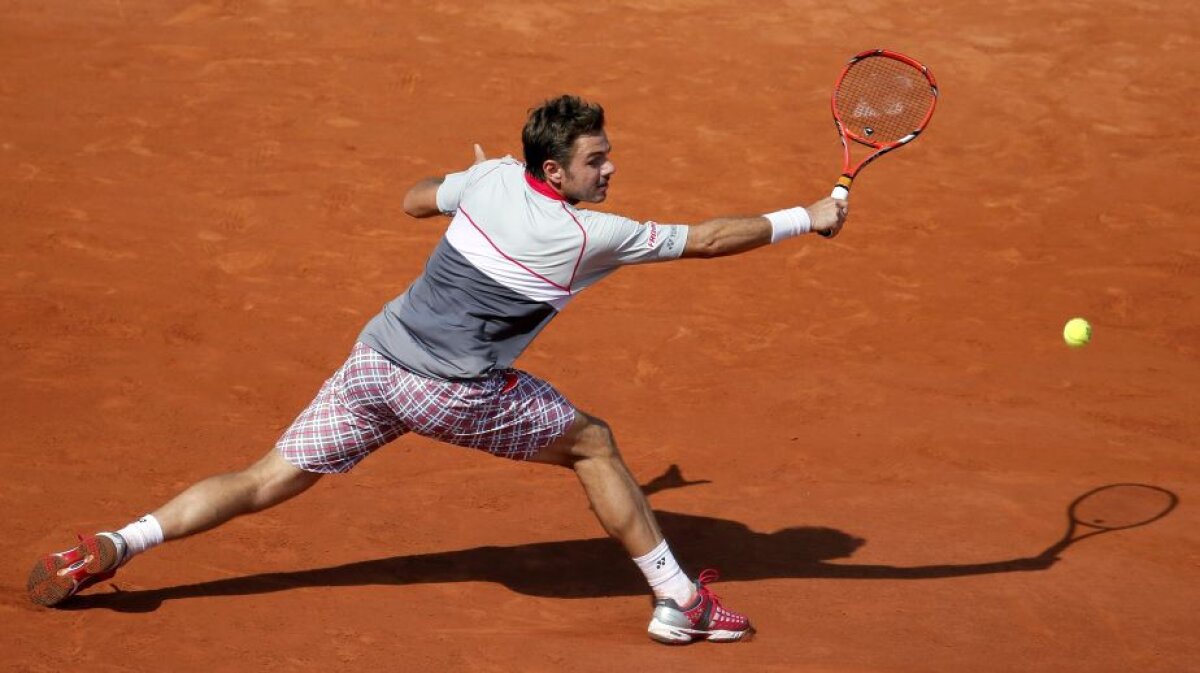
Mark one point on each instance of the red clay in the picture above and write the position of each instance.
(200, 206)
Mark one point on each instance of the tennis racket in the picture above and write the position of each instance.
(882, 100)
(1113, 507)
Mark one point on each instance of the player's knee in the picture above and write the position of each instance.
(597, 441)
(588, 437)
(274, 480)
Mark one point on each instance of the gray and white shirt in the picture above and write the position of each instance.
(514, 255)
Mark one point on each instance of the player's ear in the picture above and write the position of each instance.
(553, 171)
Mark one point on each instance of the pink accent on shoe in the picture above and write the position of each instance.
(708, 613)
(58, 576)
(705, 619)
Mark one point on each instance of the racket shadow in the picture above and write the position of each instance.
(598, 567)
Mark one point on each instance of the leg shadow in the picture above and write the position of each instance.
(589, 568)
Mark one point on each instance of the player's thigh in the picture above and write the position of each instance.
(510, 414)
(348, 419)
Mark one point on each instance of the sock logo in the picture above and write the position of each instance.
(658, 565)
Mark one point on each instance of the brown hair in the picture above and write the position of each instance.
(552, 128)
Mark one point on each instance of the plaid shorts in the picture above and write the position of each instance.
(371, 401)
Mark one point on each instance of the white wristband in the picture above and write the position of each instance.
(788, 223)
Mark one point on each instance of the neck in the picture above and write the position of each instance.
(545, 188)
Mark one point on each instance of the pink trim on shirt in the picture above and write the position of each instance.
(543, 188)
(582, 248)
(528, 270)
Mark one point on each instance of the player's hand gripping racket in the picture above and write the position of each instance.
(1113, 507)
(882, 100)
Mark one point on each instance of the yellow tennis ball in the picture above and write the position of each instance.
(1077, 332)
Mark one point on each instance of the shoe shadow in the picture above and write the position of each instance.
(588, 568)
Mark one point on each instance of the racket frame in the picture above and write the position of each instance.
(842, 189)
(1075, 523)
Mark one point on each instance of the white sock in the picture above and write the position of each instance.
(141, 535)
(664, 575)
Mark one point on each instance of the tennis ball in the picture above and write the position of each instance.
(1077, 332)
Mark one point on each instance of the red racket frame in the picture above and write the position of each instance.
(842, 190)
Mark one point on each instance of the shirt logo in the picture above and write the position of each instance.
(672, 239)
(653, 240)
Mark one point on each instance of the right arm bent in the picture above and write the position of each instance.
(421, 200)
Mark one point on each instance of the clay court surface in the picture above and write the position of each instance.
(875, 436)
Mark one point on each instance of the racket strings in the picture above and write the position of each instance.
(1122, 506)
(881, 100)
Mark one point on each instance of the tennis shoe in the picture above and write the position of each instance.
(56, 577)
(704, 619)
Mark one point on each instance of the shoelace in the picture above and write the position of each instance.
(706, 577)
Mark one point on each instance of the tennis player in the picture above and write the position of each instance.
(438, 360)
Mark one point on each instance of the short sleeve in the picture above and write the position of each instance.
(454, 185)
(450, 192)
(619, 240)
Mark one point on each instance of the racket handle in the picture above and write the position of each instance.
(842, 192)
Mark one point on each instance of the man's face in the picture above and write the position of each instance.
(585, 177)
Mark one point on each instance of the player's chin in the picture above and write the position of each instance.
(596, 195)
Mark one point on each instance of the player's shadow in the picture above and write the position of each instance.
(590, 568)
